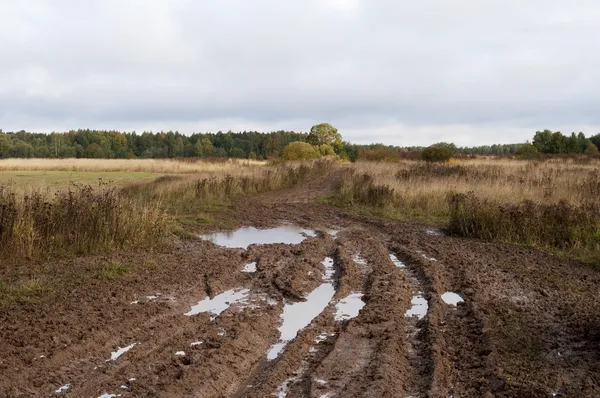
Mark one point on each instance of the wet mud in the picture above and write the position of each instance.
(403, 311)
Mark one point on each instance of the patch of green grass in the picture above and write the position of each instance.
(114, 270)
(34, 286)
(26, 292)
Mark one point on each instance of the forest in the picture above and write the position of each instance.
(111, 144)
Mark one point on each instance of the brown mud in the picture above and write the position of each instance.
(529, 325)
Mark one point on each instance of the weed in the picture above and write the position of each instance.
(114, 270)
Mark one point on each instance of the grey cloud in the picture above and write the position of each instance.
(381, 70)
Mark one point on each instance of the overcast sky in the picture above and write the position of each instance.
(394, 71)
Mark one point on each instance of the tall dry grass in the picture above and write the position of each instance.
(186, 193)
(164, 166)
(553, 203)
(78, 221)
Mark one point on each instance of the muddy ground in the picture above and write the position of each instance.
(529, 325)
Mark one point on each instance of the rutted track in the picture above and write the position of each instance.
(485, 346)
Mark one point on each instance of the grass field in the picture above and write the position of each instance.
(56, 180)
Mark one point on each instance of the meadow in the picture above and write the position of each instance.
(550, 204)
(81, 206)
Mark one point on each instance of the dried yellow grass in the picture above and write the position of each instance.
(499, 180)
(162, 166)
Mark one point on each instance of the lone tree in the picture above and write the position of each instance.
(325, 134)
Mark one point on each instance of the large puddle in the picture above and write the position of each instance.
(244, 237)
(219, 303)
(297, 316)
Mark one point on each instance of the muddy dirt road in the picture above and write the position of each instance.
(348, 307)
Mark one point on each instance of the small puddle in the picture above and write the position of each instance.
(250, 267)
(195, 343)
(144, 299)
(419, 307)
(244, 237)
(105, 395)
(323, 337)
(434, 232)
(180, 354)
(396, 261)
(219, 303)
(358, 259)
(64, 388)
(349, 307)
(115, 355)
(297, 316)
(452, 298)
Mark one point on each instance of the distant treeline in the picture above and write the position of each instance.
(249, 145)
(115, 144)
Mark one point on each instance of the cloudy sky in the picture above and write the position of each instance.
(394, 71)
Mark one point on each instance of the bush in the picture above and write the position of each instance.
(437, 153)
(299, 151)
(379, 153)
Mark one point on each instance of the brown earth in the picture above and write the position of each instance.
(529, 325)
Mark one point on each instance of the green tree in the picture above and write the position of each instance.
(325, 134)
(238, 153)
(542, 140)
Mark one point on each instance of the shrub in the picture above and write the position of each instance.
(437, 153)
(299, 151)
(379, 153)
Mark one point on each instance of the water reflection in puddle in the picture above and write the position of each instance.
(396, 261)
(434, 232)
(64, 388)
(115, 355)
(419, 307)
(219, 303)
(250, 267)
(297, 316)
(349, 307)
(452, 298)
(244, 237)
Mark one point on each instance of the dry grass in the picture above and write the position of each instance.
(77, 221)
(163, 166)
(500, 180)
(552, 204)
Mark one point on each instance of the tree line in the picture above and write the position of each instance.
(324, 138)
(128, 145)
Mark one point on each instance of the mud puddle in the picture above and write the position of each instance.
(250, 268)
(219, 303)
(244, 237)
(419, 307)
(297, 316)
(349, 307)
(452, 298)
(115, 355)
